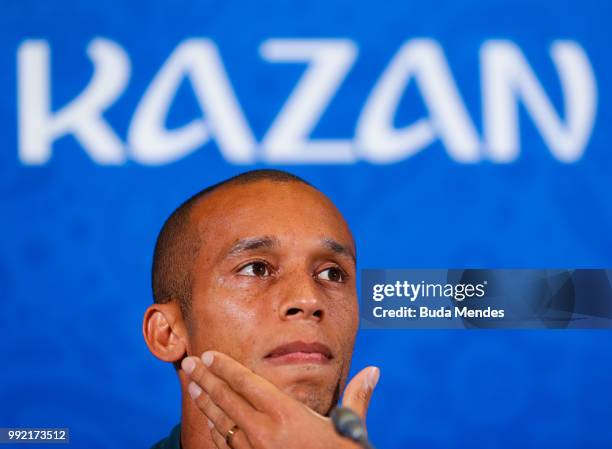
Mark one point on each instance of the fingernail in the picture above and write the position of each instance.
(207, 358)
(373, 377)
(194, 390)
(210, 424)
(188, 365)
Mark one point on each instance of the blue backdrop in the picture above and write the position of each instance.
(504, 161)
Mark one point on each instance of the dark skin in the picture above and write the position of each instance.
(277, 266)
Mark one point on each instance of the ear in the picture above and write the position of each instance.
(164, 331)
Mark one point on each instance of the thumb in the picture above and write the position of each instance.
(359, 390)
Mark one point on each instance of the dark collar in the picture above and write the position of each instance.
(173, 441)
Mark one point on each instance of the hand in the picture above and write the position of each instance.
(230, 394)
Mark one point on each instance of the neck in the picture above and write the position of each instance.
(195, 433)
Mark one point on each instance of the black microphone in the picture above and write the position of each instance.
(348, 424)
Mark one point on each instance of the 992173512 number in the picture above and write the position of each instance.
(39, 435)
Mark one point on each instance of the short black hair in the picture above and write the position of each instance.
(178, 242)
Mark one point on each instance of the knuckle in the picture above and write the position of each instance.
(204, 401)
(197, 374)
(363, 396)
(283, 420)
(224, 424)
(216, 391)
(242, 380)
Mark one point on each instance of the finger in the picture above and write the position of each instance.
(218, 439)
(231, 403)
(261, 393)
(238, 441)
(358, 392)
(216, 417)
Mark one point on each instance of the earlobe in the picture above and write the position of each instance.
(164, 332)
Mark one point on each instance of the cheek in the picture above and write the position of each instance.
(344, 316)
(225, 319)
(346, 325)
(341, 326)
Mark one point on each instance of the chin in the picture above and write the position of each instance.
(316, 386)
(318, 399)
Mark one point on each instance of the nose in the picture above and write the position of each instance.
(301, 300)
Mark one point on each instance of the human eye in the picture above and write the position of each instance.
(333, 274)
(257, 268)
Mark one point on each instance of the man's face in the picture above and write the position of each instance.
(274, 286)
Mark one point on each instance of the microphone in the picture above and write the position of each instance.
(348, 424)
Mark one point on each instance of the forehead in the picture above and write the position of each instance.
(285, 210)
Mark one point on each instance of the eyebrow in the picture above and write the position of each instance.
(271, 242)
(253, 243)
(339, 248)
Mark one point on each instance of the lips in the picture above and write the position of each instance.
(300, 352)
